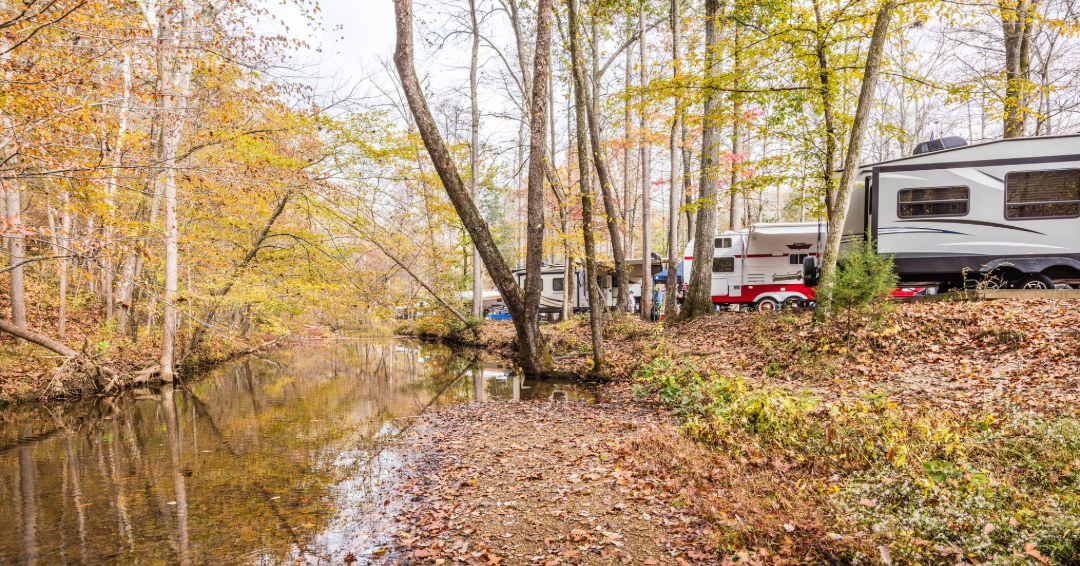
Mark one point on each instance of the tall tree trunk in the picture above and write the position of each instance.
(174, 79)
(699, 297)
(596, 304)
(172, 239)
(851, 159)
(628, 199)
(735, 210)
(64, 250)
(534, 252)
(474, 161)
(17, 253)
(622, 280)
(646, 183)
(687, 181)
(532, 350)
(674, 186)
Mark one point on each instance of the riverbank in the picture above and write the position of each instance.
(929, 434)
(106, 361)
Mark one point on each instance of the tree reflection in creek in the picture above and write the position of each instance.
(261, 462)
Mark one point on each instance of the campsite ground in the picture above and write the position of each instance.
(940, 433)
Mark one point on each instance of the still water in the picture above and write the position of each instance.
(285, 460)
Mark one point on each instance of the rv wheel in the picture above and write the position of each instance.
(766, 305)
(1037, 281)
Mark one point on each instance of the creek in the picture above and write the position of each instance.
(288, 459)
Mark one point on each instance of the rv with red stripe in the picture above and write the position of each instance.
(761, 267)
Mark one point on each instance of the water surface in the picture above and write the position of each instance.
(283, 460)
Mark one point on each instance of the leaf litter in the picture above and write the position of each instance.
(541, 483)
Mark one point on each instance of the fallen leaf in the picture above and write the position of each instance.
(1029, 549)
(886, 556)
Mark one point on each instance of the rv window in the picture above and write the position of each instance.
(937, 201)
(796, 259)
(719, 243)
(1042, 194)
(557, 284)
(723, 265)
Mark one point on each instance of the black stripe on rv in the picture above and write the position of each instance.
(975, 223)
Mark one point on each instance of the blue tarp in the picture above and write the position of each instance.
(662, 276)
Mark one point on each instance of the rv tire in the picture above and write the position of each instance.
(767, 305)
(1037, 281)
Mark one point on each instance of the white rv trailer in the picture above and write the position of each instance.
(762, 266)
(553, 289)
(492, 300)
(1011, 207)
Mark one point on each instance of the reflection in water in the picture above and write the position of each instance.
(262, 462)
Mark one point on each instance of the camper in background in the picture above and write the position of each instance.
(761, 267)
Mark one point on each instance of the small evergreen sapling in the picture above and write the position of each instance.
(863, 279)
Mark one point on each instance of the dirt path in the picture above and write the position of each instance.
(538, 483)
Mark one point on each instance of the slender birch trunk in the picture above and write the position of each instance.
(177, 67)
(687, 181)
(474, 162)
(596, 305)
(628, 199)
(674, 186)
(63, 250)
(17, 254)
(646, 184)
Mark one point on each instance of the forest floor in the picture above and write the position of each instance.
(935, 433)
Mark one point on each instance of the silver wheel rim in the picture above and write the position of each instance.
(767, 306)
(1036, 285)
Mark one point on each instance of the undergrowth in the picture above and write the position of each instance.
(930, 486)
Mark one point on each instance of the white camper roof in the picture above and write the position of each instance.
(789, 228)
(1012, 148)
(488, 295)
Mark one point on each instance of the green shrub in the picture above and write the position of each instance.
(862, 281)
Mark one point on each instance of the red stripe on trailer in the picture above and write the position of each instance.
(751, 293)
(691, 258)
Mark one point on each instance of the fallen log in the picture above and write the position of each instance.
(98, 373)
